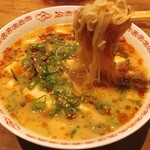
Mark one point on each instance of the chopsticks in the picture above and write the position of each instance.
(140, 16)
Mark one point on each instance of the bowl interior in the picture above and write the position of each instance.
(60, 15)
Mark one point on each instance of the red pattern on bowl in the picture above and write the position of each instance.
(64, 14)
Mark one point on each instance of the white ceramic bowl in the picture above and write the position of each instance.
(64, 14)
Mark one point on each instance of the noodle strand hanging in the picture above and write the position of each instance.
(98, 27)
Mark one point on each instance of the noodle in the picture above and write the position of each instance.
(98, 27)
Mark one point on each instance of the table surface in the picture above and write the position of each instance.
(9, 10)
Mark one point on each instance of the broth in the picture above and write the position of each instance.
(42, 89)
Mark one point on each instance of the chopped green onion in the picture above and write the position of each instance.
(138, 103)
(39, 104)
(13, 74)
(74, 131)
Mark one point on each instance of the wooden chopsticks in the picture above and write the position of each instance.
(140, 16)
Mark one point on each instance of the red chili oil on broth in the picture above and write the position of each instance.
(41, 91)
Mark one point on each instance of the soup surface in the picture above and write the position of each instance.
(44, 89)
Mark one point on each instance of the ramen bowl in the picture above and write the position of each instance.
(61, 15)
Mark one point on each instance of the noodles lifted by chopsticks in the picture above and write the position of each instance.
(98, 27)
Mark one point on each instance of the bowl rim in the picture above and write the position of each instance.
(71, 145)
